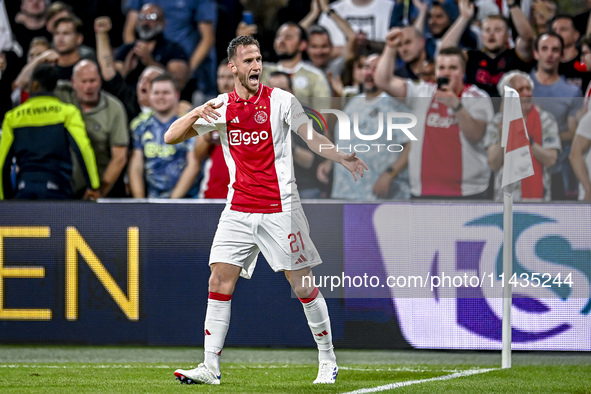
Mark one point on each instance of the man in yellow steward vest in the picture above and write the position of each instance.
(37, 137)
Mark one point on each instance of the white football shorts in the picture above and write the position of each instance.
(283, 238)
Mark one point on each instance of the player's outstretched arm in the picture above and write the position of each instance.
(182, 128)
(322, 146)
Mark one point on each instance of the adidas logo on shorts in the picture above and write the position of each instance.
(301, 259)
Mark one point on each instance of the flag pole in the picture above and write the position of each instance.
(517, 166)
(507, 273)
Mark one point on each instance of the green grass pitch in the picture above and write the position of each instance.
(82, 369)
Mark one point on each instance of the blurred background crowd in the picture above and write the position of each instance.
(114, 74)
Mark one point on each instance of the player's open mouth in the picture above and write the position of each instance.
(254, 78)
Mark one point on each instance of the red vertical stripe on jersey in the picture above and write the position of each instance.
(441, 162)
(250, 138)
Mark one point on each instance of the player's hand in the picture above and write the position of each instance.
(102, 25)
(382, 185)
(323, 171)
(354, 164)
(207, 111)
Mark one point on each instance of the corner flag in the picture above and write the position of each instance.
(517, 166)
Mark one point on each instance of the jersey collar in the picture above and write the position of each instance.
(253, 100)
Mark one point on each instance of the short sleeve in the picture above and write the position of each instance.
(201, 126)
(296, 115)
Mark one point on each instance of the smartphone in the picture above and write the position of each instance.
(442, 81)
(247, 17)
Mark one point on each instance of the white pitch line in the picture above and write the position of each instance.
(411, 382)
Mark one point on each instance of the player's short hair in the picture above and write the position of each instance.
(167, 77)
(74, 20)
(46, 75)
(282, 74)
(549, 34)
(454, 51)
(240, 41)
(497, 18)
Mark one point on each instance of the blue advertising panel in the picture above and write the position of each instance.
(441, 265)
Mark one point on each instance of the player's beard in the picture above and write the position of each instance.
(245, 81)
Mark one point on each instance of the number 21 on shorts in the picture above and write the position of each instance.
(293, 242)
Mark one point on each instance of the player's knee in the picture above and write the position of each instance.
(301, 286)
(223, 279)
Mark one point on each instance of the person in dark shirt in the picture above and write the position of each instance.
(486, 67)
(571, 58)
(30, 23)
(67, 39)
(152, 49)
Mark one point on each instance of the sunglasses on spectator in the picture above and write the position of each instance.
(152, 16)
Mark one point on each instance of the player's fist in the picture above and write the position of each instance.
(102, 24)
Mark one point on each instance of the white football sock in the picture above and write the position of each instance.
(217, 321)
(316, 312)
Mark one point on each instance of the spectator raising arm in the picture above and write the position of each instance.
(104, 53)
(384, 75)
(419, 23)
(454, 33)
(525, 39)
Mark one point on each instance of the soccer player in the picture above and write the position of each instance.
(263, 211)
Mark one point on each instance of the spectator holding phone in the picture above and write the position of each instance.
(448, 158)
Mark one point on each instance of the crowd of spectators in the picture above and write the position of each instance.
(104, 79)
